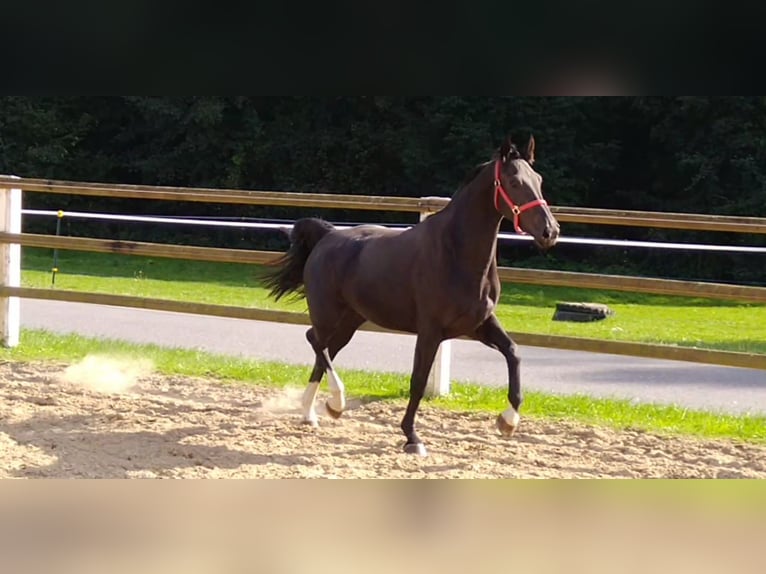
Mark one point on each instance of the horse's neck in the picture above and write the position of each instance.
(472, 223)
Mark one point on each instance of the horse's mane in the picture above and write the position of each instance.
(513, 153)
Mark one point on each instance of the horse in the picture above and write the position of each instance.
(437, 280)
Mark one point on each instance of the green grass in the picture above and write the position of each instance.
(619, 414)
(198, 281)
(686, 322)
(679, 321)
(43, 346)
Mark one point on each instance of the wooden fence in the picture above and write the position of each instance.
(11, 239)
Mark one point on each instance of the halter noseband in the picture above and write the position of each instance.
(515, 209)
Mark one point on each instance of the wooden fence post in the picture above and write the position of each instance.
(10, 266)
(438, 380)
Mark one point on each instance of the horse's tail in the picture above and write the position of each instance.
(287, 275)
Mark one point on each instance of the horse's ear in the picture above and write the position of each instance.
(505, 149)
(529, 150)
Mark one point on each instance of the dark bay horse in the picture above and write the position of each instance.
(437, 279)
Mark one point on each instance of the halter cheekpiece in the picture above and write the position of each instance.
(515, 209)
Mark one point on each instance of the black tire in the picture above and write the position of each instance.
(581, 312)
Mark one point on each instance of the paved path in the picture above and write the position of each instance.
(668, 382)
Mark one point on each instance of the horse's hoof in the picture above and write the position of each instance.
(332, 412)
(310, 424)
(506, 429)
(417, 449)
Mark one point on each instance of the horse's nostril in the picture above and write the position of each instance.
(547, 233)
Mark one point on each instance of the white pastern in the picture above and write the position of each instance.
(309, 397)
(337, 401)
(512, 417)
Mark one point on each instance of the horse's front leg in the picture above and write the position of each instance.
(425, 352)
(492, 334)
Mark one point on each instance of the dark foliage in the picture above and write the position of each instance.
(702, 154)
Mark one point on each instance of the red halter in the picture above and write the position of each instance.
(515, 209)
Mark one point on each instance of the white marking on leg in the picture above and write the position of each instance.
(337, 401)
(511, 417)
(309, 396)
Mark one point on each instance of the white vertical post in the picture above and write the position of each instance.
(10, 266)
(438, 380)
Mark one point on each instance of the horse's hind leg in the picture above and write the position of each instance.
(326, 348)
(310, 394)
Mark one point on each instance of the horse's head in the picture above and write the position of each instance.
(519, 197)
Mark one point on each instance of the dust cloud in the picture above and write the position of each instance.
(107, 375)
(288, 400)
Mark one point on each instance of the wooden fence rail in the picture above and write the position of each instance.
(719, 291)
(707, 356)
(11, 237)
(593, 216)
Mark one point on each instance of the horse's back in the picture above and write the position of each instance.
(369, 231)
(339, 252)
(368, 268)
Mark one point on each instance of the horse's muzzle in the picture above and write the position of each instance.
(548, 237)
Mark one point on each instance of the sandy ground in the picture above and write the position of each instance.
(105, 418)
